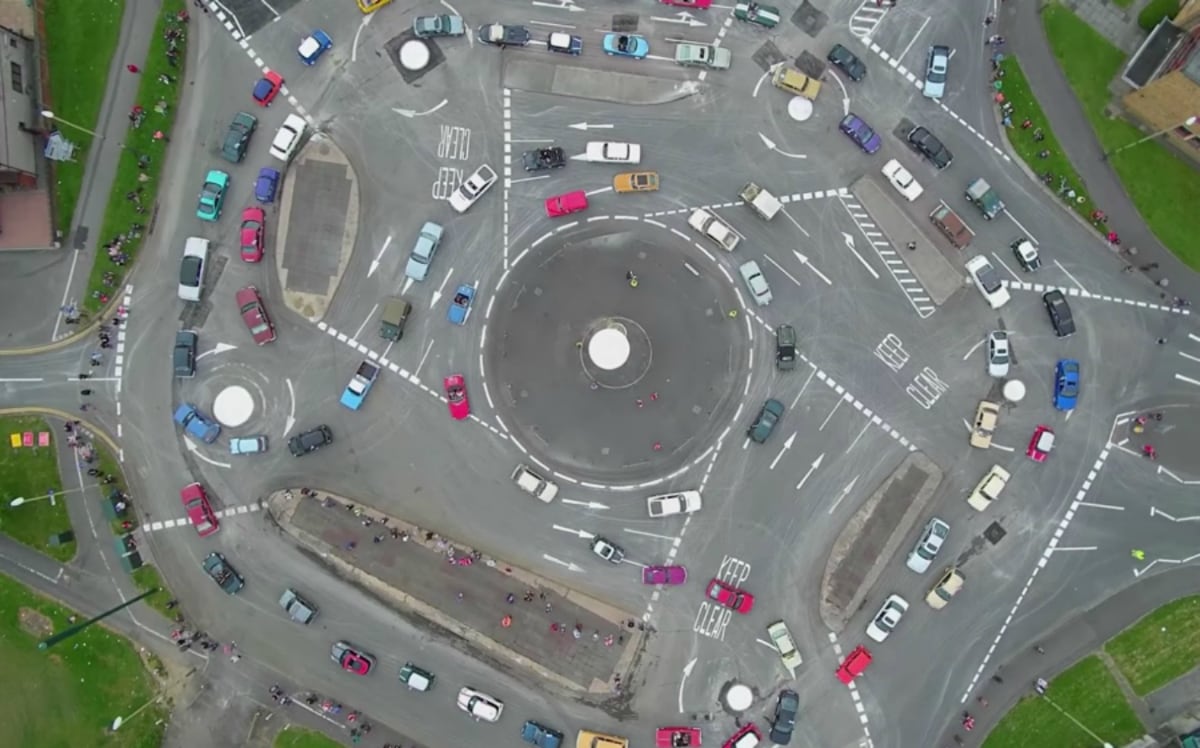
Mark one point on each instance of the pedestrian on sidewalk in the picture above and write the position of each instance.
(84, 375)
(133, 68)
(85, 392)
(1149, 266)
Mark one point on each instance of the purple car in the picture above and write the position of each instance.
(664, 575)
(266, 185)
(860, 132)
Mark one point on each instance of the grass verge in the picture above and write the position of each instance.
(80, 41)
(147, 578)
(70, 694)
(1086, 692)
(1159, 648)
(30, 472)
(120, 213)
(300, 737)
(1155, 11)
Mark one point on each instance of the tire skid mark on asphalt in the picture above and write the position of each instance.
(854, 694)
(1071, 291)
(785, 199)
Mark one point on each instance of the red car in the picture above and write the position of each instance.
(351, 659)
(730, 597)
(254, 229)
(747, 737)
(664, 575)
(701, 4)
(563, 205)
(1041, 444)
(199, 511)
(676, 737)
(267, 88)
(456, 396)
(254, 314)
(854, 664)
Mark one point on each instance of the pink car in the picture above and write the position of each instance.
(664, 575)
(699, 4)
(1041, 444)
(562, 205)
(456, 396)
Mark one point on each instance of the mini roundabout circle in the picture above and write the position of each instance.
(235, 396)
(616, 352)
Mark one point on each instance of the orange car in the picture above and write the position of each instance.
(636, 181)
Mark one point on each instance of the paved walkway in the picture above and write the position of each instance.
(1118, 25)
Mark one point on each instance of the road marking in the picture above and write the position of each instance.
(866, 19)
(829, 417)
(650, 534)
(914, 39)
(428, 348)
(912, 289)
(527, 179)
(844, 493)
(780, 268)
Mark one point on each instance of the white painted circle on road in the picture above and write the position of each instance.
(739, 697)
(414, 55)
(233, 406)
(609, 348)
(1014, 390)
(800, 108)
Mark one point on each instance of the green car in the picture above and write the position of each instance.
(417, 679)
(703, 56)
(764, 15)
(212, 195)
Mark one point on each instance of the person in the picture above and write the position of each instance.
(911, 246)
(1041, 686)
(132, 68)
(968, 722)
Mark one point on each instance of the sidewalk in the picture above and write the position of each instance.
(425, 575)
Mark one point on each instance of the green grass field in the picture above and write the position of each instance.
(1159, 648)
(30, 472)
(299, 737)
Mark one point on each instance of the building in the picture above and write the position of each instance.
(1165, 76)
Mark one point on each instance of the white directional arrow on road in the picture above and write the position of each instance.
(850, 246)
(811, 469)
(569, 564)
(805, 262)
(786, 446)
(771, 145)
(191, 447)
(845, 492)
(845, 94)
(687, 670)
(586, 126)
(218, 348)
(588, 504)
(681, 17)
(579, 533)
(438, 293)
(291, 419)
(410, 113)
(378, 257)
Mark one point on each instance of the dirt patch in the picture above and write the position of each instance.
(35, 624)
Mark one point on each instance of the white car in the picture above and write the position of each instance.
(472, 188)
(191, 269)
(607, 152)
(904, 182)
(666, 505)
(927, 547)
(998, 355)
(886, 620)
(987, 280)
(989, 488)
(288, 137)
(715, 228)
(479, 705)
(936, 66)
(534, 485)
(755, 281)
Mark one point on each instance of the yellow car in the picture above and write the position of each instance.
(370, 6)
(636, 181)
(589, 739)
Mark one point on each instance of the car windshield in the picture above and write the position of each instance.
(989, 279)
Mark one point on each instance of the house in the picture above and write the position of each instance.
(1165, 76)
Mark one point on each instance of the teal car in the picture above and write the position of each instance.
(767, 16)
(212, 195)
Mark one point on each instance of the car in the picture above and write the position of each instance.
(503, 35)
(394, 317)
(479, 705)
(360, 385)
(987, 280)
(540, 159)
(254, 314)
(183, 356)
(532, 483)
(287, 137)
(853, 666)
(566, 204)
(698, 4)
(351, 659)
(539, 735)
(703, 56)
(237, 137)
(754, 280)
(196, 423)
(670, 504)
(729, 596)
(212, 195)
(1060, 313)
(455, 387)
(444, 24)
(765, 422)
(670, 575)
(767, 16)
(989, 488)
(636, 181)
(370, 6)
(937, 63)
(1040, 444)
(253, 234)
(902, 180)
(926, 550)
(983, 196)
(785, 347)
(266, 185)
(607, 152)
(786, 707)
(676, 737)
(888, 617)
(986, 416)
(191, 268)
(948, 585)
(848, 62)
(998, 355)
(415, 678)
(1026, 253)
(564, 43)
(607, 550)
(746, 737)
(297, 608)
(426, 246)
(626, 45)
(198, 510)
(1066, 384)
(781, 637)
(714, 228)
(460, 304)
(313, 46)
(225, 576)
(592, 739)
(310, 441)
(927, 144)
(267, 88)
(248, 445)
(860, 132)
(472, 188)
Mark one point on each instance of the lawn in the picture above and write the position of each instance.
(80, 40)
(1159, 648)
(1088, 694)
(1164, 187)
(147, 578)
(299, 737)
(68, 696)
(30, 472)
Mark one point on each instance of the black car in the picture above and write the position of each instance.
(1060, 313)
(237, 137)
(544, 158)
(785, 717)
(847, 62)
(310, 441)
(184, 355)
(925, 143)
(785, 347)
(503, 35)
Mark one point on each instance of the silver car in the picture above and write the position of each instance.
(888, 617)
(998, 356)
(936, 66)
(756, 283)
(423, 251)
(926, 549)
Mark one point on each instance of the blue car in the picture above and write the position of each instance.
(460, 305)
(861, 133)
(313, 46)
(1066, 384)
(541, 736)
(266, 185)
(626, 45)
(360, 384)
(194, 423)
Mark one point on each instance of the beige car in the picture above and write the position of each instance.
(636, 181)
(989, 489)
(986, 416)
(946, 588)
(782, 638)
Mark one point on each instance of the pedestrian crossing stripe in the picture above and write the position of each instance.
(222, 514)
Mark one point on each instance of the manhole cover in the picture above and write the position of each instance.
(810, 65)
(625, 22)
(768, 56)
(809, 20)
(994, 533)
